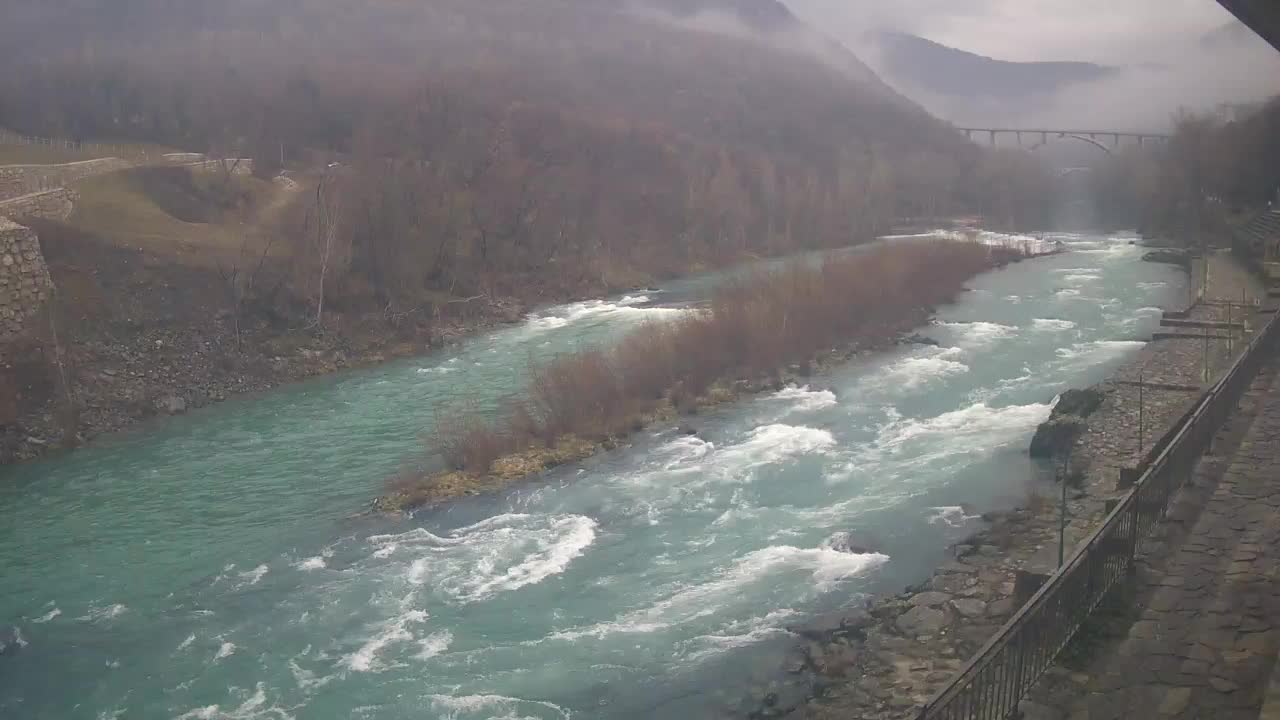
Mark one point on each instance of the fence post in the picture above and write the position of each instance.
(1141, 414)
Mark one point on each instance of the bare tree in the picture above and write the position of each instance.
(322, 232)
(240, 280)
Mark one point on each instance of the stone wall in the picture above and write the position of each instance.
(18, 180)
(24, 278)
(51, 205)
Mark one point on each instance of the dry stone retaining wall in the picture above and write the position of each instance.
(24, 277)
(19, 180)
(51, 205)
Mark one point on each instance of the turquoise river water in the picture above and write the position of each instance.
(210, 566)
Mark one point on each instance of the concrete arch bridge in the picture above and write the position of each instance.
(1033, 138)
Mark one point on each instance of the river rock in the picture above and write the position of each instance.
(172, 405)
(1080, 403)
(1055, 436)
(929, 599)
(970, 608)
(847, 542)
(918, 339)
(921, 620)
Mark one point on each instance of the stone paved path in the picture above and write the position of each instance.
(1204, 642)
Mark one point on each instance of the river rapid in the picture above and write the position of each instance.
(210, 566)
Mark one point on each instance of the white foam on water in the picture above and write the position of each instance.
(186, 643)
(497, 555)
(104, 614)
(491, 707)
(1099, 351)
(1081, 277)
(979, 334)
(47, 616)
(738, 634)
(433, 645)
(939, 234)
(395, 630)
(1152, 285)
(254, 707)
(767, 445)
(684, 452)
(306, 679)
(1112, 250)
(599, 630)
(953, 515)
(226, 650)
(687, 603)
(18, 639)
(977, 427)
(1052, 325)
(316, 562)
(252, 577)
(720, 644)
(914, 372)
(806, 400)
(1067, 293)
(435, 370)
(596, 309)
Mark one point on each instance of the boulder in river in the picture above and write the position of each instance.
(1056, 435)
(849, 543)
(918, 339)
(1081, 403)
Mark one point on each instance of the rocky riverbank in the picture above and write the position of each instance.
(883, 661)
(130, 371)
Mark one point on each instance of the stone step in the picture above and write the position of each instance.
(1212, 324)
(1188, 336)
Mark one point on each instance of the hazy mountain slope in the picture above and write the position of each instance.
(915, 62)
(528, 147)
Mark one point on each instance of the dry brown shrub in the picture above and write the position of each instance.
(756, 324)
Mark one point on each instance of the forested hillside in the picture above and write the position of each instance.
(1214, 173)
(537, 148)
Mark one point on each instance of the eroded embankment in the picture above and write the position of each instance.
(756, 330)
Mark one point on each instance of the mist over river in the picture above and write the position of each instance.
(209, 567)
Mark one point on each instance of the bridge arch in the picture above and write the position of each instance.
(1044, 135)
(1082, 138)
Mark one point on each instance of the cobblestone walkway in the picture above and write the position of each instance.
(1205, 637)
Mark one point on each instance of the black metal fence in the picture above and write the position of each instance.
(1000, 674)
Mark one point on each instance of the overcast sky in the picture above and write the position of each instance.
(1107, 31)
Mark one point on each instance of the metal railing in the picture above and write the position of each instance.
(994, 681)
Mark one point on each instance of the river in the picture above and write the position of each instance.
(209, 566)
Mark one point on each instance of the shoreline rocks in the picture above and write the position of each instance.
(1066, 423)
